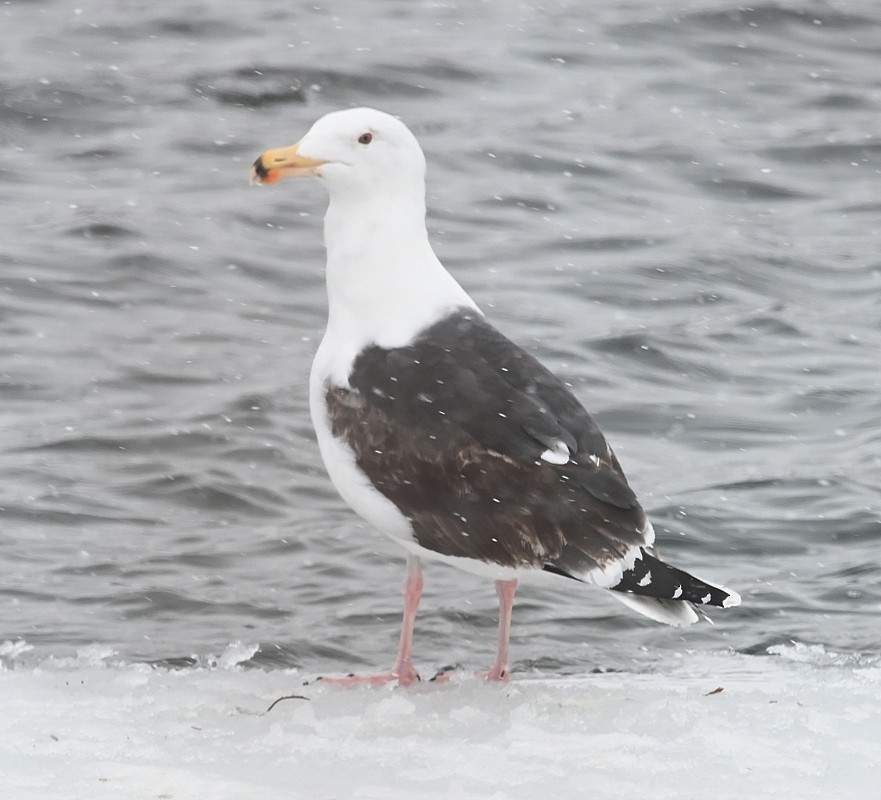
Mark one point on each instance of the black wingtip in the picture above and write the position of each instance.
(651, 577)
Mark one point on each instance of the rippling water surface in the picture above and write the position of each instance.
(679, 213)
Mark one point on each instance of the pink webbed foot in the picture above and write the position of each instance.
(493, 674)
(496, 673)
(403, 678)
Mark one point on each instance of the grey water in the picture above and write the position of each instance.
(677, 207)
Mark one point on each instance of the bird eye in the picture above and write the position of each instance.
(365, 138)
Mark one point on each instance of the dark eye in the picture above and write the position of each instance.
(365, 138)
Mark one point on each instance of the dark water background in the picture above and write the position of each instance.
(677, 211)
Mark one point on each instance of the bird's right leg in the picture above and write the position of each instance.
(403, 670)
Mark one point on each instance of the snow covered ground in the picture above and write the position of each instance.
(798, 723)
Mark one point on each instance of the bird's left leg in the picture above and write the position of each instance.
(500, 671)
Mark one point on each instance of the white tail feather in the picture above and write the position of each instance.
(670, 612)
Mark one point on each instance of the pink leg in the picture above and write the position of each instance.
(403, 671)
(412, 591)
(500, 671)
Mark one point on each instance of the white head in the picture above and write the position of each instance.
(384, 282)
(357, 151)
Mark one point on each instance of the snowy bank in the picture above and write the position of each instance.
(801, 723)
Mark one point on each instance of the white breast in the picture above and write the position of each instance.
(352, 484)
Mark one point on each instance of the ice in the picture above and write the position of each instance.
(800, 723)
(236, 653)
(10, 651)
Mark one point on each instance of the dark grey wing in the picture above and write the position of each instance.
(453, 429)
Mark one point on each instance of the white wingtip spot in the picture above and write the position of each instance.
(645, 580)
(732, 600)
(558, 454)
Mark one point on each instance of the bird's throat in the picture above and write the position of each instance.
(383, 278)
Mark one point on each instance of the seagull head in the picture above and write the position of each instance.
(358, 149)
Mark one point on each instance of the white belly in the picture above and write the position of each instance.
(352, 484)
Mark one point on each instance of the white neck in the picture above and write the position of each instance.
(384, 282)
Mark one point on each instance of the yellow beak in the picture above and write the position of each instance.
(285, 162)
